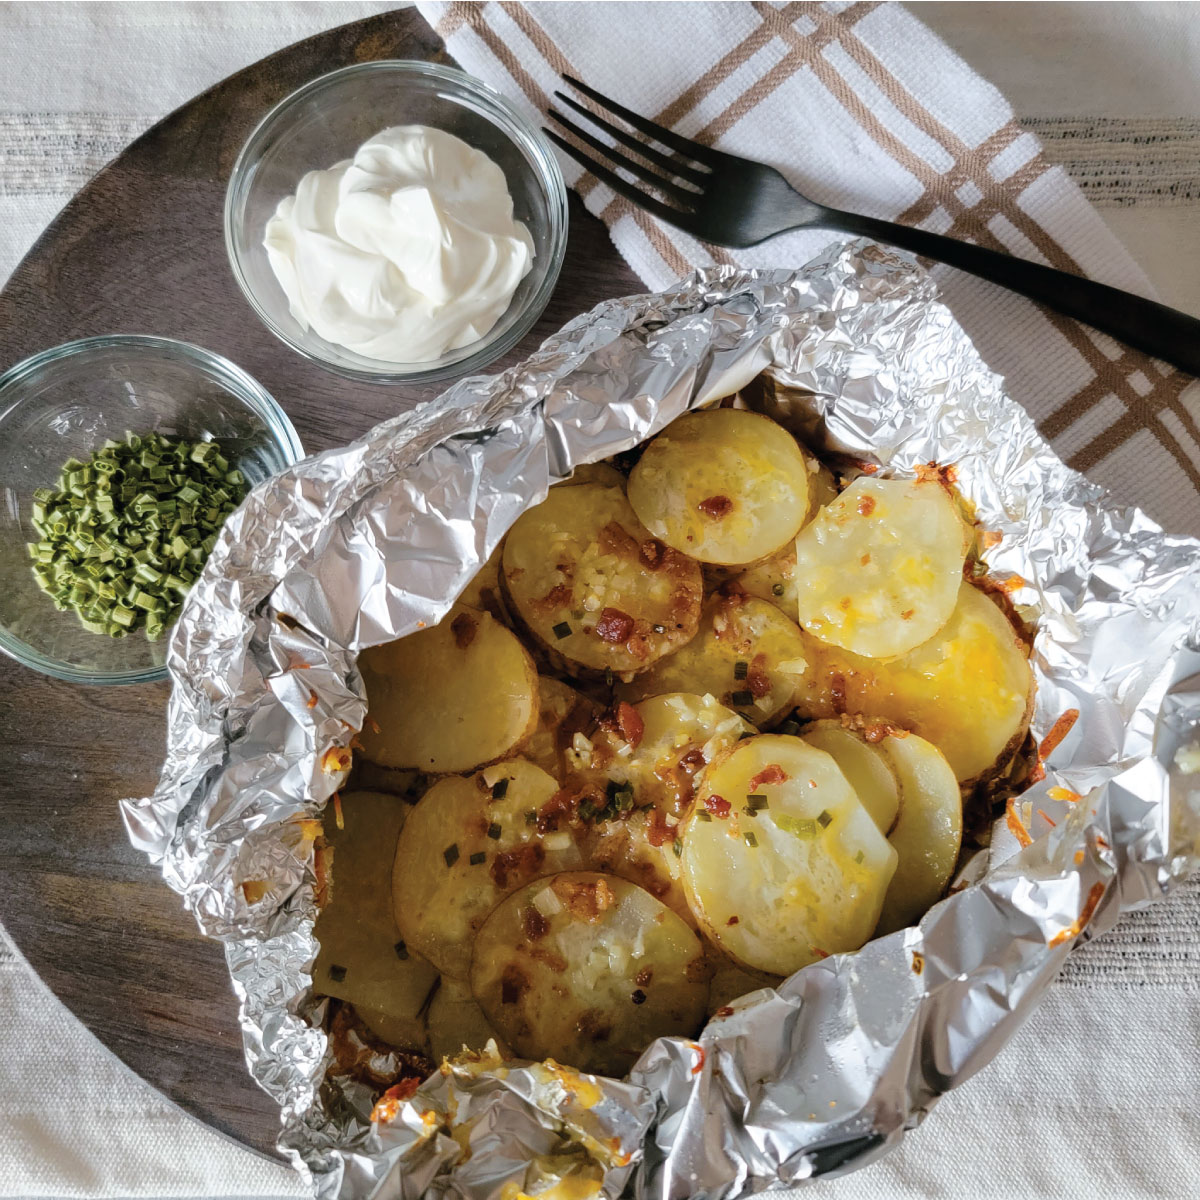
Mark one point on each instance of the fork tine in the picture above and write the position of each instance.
(663, 211)
(668, 137)
(680, 195)
(671, 165)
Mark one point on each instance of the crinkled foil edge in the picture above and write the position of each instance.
(372, 541)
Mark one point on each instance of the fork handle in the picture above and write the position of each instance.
(1160, 331)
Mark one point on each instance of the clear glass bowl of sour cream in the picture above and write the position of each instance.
(398, 267)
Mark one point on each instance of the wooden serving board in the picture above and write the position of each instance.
(141, 250)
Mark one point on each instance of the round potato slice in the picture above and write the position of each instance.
(878, 569)
(457, 1023)
(467, 845)
(724, 486)
(593, 587)
(449, 698)
(866, 768)
(588, 969)
(563, 713)
(483, 592)
(746, 653)
(968, 690)
(928, 833)
(781, 863)
(362, 958)
(774, 580)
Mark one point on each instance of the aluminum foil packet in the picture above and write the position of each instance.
(368, 543)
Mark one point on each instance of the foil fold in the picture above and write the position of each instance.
(367, 543)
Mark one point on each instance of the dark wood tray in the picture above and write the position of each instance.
(140, 250)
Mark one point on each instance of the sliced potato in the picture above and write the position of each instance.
(450, 698)
(593, 587)
(866, 768)
(362, 958)
(724, 486)
(483, 592)
(467, 845)
(968, 690)
(774, 580)
(803, 877)
(822, 488)
(878, 569)
(456, 1022)
(928, 833)
(588, 969)
(563, 713)
(600, 472)
(730, 982)
(746, 653)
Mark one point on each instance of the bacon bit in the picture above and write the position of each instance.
(615, 539)
(659, 832)
(865, 506)
(564, 803)
(587, 901)
(918, 962)
(336, 759)
(254, 890)
(1076, 926)
(1014, 583)
(718, 806)
(643, 977)
(355, 744)
(699, 1049)
(837, 692)
(1015, 824)
(931, 472)
(771, 773)
(652, 553)
(1079, 857)
(311, 702)
(819, 952)
(1102, 841)
(758, 683)
(1064, 794)
(693, 760)
(716, 507)
(522, 861)
(732, 921)
(907, 614)
(1041, 812)
(614, 626)
(373, 724)
(559, 596)
(337, 810)
(990, 538)
(387, 1108)
(630, 723)
(868, 468)
(878, 730)
(464, 626)
(1058, 731)
(726, 1011)
(534, 924)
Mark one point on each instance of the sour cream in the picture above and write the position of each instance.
(404, 252)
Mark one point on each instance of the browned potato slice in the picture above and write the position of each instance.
(456, 1022)
(466, 845)
(928, 833)
(968, 690)
(362, 958)
(449, 698)
(774, 580)
(781, 863)
(747, 654)
(564, 712)
(593, 587)
(878, 569)
(866, 767)
(724, 486)
(589, 970)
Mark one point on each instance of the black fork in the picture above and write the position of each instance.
(731, 201)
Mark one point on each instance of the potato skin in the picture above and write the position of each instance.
(592, 589)
(451, 698)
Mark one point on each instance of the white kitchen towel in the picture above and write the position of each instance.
(862, 107)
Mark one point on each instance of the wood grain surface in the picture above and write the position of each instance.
(140, 250)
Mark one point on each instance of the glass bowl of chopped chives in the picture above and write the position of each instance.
(120, 458)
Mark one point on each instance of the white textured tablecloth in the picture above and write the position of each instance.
(1097, 1097)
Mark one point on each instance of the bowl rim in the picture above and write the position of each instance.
(520, 130)
(245, 387)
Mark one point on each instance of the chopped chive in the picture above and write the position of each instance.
(756, 802)
(494, 831)
(804, 827)
(742, 699)
(777, 589)
(499, 788)
(824, 819)
(703, 814)
(677, 846)
(450, 854)
(401, 951)
(750, 812)
(741, 669)
(531, 817)
(858, 858)
(337, 973)
(751, 840)
(477, 858)
(562, 630)
(789, 727)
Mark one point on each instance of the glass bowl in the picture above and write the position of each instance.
(64, 403)
(325, 122)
